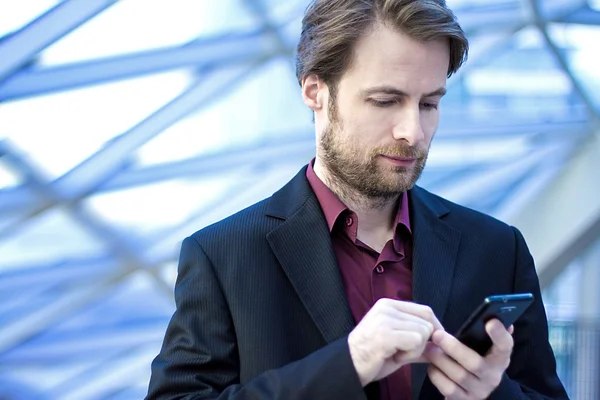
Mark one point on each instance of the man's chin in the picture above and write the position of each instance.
(391, 189)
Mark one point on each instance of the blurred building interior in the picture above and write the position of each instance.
(126, 125)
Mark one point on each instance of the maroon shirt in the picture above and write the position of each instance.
(368, 275)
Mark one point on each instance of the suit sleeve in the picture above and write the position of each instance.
(199, 358)
(532, 370)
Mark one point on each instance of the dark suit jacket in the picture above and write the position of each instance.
(262, 312)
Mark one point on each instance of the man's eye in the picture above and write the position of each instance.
(429, 106)
(383, 103)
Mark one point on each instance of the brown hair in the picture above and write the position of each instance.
(330, 29)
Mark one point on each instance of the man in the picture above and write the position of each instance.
(349, 281)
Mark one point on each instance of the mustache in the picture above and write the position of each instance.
(401, 150)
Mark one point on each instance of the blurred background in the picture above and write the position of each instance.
(127, 125)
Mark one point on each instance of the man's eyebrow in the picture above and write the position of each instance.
(397, 92)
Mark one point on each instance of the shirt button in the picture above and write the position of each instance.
(349, 221)
(380, 269)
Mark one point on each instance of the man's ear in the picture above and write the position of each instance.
(313, 92)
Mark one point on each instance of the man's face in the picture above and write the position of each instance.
(379, 124)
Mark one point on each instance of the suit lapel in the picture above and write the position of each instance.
(434, 256)
(302, 245)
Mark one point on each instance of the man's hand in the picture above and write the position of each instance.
(392, 334)
(460, 373)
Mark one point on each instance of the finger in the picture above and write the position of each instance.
(400, 317)
(402, 341)
(418, 310)
(445, 385)
(454, 371)
(421, 358)
(511, 329)
(463, 355)
(411, 326)
(502, 339)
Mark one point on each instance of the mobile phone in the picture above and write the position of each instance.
(507, 308)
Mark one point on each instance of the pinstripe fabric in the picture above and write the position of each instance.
(262, 314)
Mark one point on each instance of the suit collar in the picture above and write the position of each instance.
(291, 197)
(430, 205)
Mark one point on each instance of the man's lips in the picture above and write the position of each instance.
(400, 158)
(400, 161)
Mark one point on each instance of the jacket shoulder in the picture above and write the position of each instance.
(242, 224)
(460, 215)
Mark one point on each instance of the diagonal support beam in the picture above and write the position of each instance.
(226, 50)
(478, 186)
(564, 218)
(112, 158)
(583, 16)
(19, 48)
(542, 24)
(76, 298)
(122, 246)
(80, 344)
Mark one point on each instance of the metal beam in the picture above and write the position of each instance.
(11, 389)
(82, 294)
(80, 271)
(104, 378)
(479, 185)
(564, 218)
(69, 270)
(235, 49)
(19, 48)
(99, 168)
(551, 10)
(490, 17)
(477, 20)
(252, 186)
(542, 25)
(86, 344)
(583, 16)
(258, 9)
(124, 247)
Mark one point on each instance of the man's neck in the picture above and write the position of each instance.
(376, 217)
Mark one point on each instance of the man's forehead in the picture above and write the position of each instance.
(384, 57)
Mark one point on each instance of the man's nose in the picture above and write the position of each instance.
(408, 127)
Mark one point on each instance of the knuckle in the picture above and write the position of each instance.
(379, 327)
(453, 392)
(413, 340)
(385, 301)
(478, 367)
(378, 304)
(463, 378)
(428, 312)
(379, 319)
(427, 331)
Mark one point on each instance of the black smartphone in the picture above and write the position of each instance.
(507, 308)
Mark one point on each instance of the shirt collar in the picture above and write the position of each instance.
(332, 206)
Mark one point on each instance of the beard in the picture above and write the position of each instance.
(357, 174)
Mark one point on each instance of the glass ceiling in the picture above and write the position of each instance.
(130, 127)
